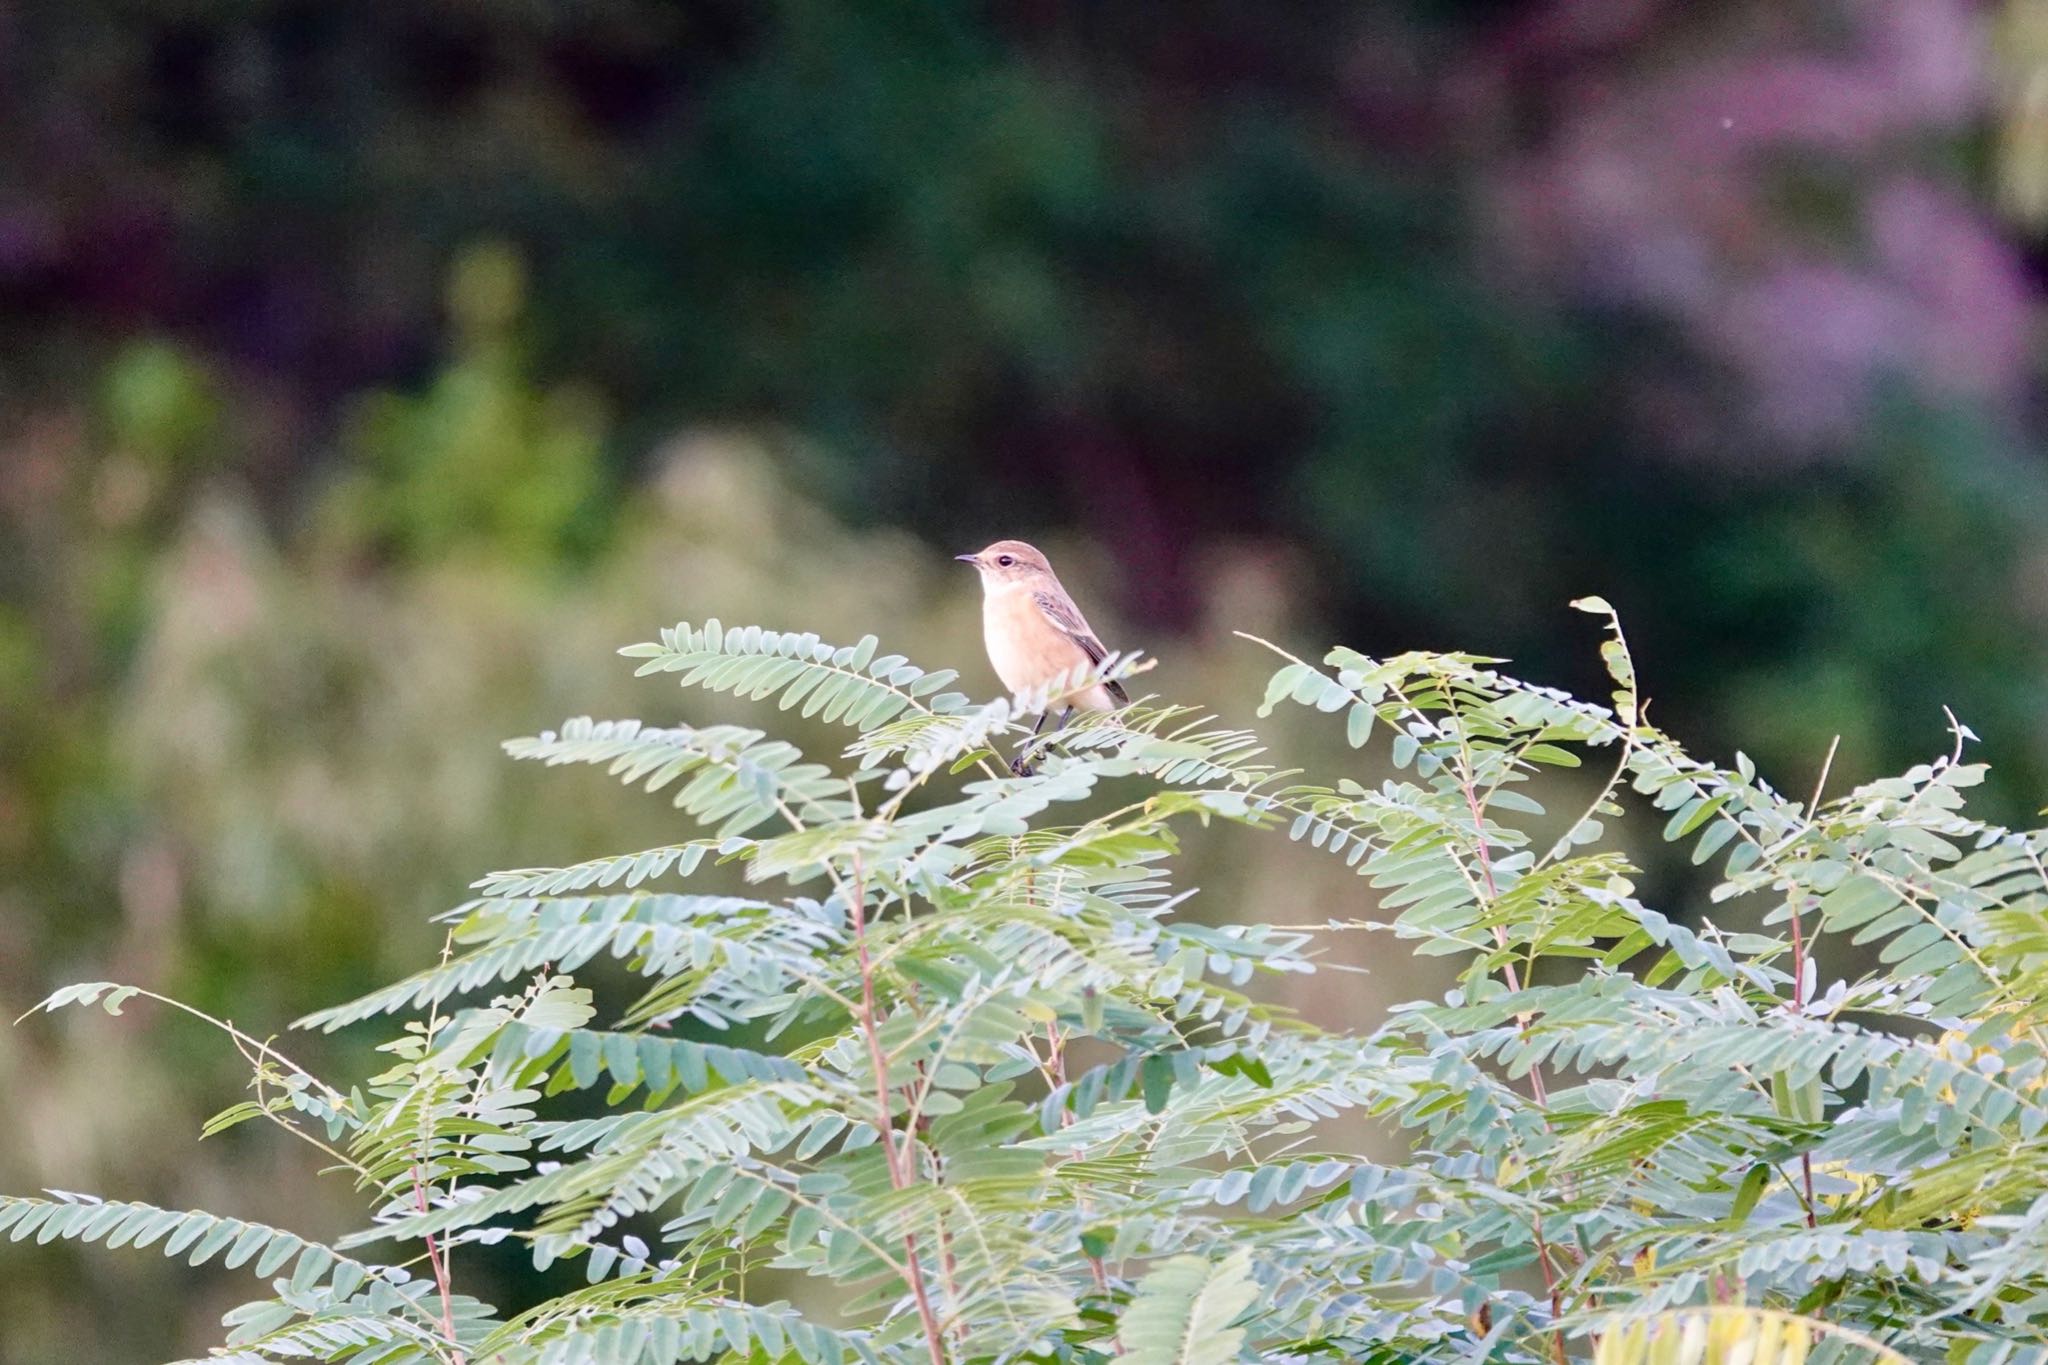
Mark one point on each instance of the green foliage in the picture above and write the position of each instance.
(989, 1096)
(160, 405)
(484, 459)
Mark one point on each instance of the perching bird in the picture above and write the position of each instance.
(1034, 632)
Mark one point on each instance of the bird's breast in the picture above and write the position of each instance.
(1027, 650)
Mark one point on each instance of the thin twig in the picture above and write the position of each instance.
(1466, 784)
(899, 1175)
(1799, 959)
(440, 1265)
(435, 1256)
(263, 1103)
(334, 1097)
(1056, 1061)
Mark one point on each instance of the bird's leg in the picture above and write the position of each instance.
(1021, 765)
(1059, 725)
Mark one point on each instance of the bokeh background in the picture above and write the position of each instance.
(370, 371)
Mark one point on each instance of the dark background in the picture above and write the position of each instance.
(368, 372)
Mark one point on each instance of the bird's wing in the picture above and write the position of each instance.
(1066, 617)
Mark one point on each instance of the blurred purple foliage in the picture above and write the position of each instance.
(1758, 185)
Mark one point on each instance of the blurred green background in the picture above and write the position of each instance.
(372, 371)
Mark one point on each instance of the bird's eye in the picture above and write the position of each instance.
(1005, 560)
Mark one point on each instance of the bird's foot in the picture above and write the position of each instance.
(1020, 766)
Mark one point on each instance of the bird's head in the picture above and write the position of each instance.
(1007, 562)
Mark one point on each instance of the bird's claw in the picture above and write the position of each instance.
(1021, 766)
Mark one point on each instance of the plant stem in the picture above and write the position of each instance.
(256, 1070)
(1056, 1062)
(434, 1259)
(1500, 934)
(1799, 1008)
(1468, 785)
(885, 1121)
(1799, 958)
(1550, 1285)
(242, 1040)
(419, 1187)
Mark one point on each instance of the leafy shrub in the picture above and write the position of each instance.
(983, 1094)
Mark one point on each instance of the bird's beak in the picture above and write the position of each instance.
(968, 559)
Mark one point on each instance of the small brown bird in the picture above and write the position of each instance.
(1034, 632)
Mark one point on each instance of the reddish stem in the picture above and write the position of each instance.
(1536, 1085)
(874, 1042)
(1500, 935)
(898, 1163)
(1056, 1062)
(434, 1259)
